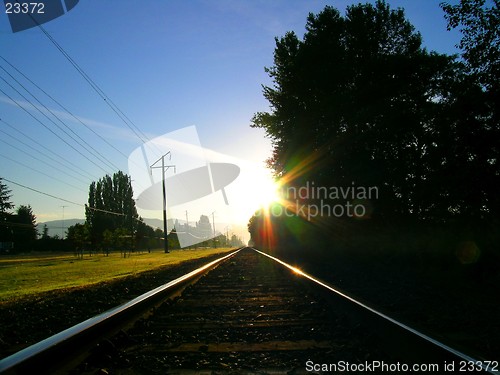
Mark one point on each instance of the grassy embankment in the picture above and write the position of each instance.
(24, 275)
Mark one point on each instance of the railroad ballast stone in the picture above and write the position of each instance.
(248, 314)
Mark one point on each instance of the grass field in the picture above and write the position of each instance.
(25, 275)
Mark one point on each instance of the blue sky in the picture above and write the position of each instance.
(167, 65)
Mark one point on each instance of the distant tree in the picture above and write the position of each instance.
(45, 242)
(5, 195)
(45, 232)
(143, 235)
(282, 229)
(5, 206)
(173, 240)
(24, 228)
(203, 227)
(108, 241)
(123, 240)
(79, 236)
(480, 27)
(158, 233)
(236, 241)
(111, 206)
(473, 113)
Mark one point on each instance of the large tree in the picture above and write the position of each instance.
(111, 206)
(360, 100)
(480, 43)
(24, 228)
(5, 206)
(474, 119)
(78, 236)
(5, 195)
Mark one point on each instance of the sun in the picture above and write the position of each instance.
(266, 192)
(257, 189)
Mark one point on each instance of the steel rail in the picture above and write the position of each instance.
(444, 350)
(24, 357)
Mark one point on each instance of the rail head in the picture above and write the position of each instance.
(25, 356)
(484, 365)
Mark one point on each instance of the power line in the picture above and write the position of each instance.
(62, 199)
(12, 224)
(41, 153)
(94, 86)
(80, 141)
(135, 129)
(41, 192)
(49, 129)
(43, 147)
(40, 172)
(63, 107)
(24, 152)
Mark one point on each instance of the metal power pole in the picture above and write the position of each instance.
(213, 222)
(163, 168)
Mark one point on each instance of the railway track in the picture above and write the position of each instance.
(246, 313)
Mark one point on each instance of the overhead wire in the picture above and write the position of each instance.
(62, 106)
(49, 129)
(41, 192)
(80, 141)
(11, 224)
(126, 120)
(24, 135)
(63, 199)
(40, 172)
(33, 157)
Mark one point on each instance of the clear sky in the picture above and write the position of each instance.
(166, 65)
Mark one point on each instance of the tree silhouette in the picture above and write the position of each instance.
(360, 101)
(5, 206)
(111, 206)
(79, 236)
(24, 228)
(5, 195)
(480, 27)
(474, 109)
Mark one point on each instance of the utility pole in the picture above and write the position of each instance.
(227, 234)
(213, 223)
(163, 168)
(62, 226)
(187, 229)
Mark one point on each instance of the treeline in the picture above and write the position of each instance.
(112, 224)
(17, 226)
(359, 102)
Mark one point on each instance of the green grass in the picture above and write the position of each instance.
(28, 275)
